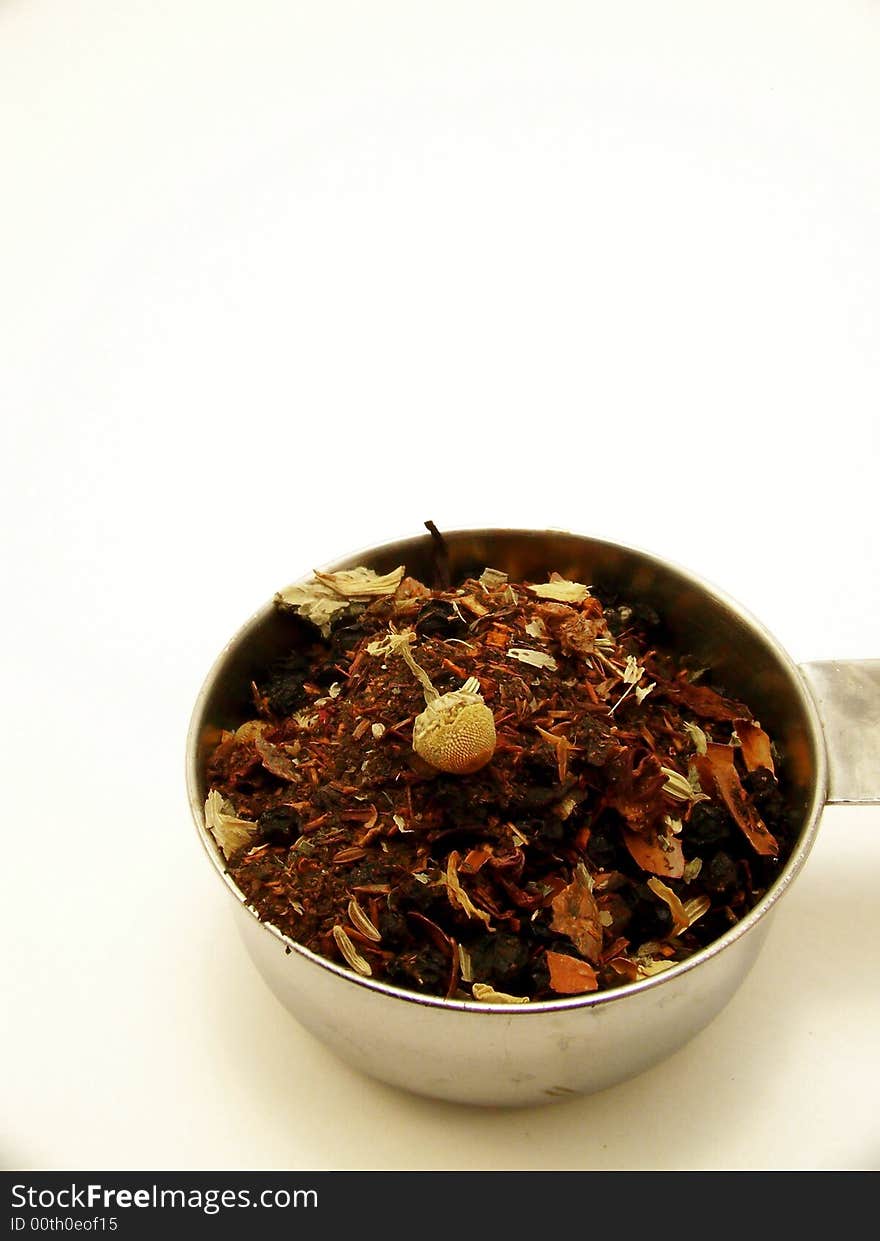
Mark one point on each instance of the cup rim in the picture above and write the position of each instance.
(781, 884)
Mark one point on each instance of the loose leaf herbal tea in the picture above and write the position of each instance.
(498, 791)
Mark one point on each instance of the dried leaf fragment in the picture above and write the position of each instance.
(473, 605)
(492, 579)
(475, 859)
(536, 659)
(632, 672)
(704, 702)
(230, 832)
(561, 590)
(563, 748)
(698, 737)
(313, 601)
(635, 789)
(457, 895)
(411, 588)
(362, 583)
(680, 921)
(579, 635)
(569, 976)
(631, 675)
(488, 995)
(564, 808)
(576, 914)
(656, 853)
(276, 761)
(320, 599)
(648, 966)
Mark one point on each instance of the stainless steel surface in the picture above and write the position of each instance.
(504, 1055)
(847, 694)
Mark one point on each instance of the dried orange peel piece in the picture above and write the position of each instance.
(716, 767)
(569, 976)
(755, 745)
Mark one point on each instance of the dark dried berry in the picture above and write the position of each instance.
(650, 918)
(347, 629)
(439, 619)
(498, 958)
(424, 970)
(645, 615)
(283, 688)
(708, 825)
(763, 787)
(720, 874)
(280, 824)
(424, 898)
(595, 741)
(540, 930)
(550, 830)
(393, 928)
(605, 848)
(539, 974)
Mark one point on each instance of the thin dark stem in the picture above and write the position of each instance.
(439, 558)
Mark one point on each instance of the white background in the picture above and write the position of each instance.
(280, 280)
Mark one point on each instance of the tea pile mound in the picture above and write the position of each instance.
(607, 811)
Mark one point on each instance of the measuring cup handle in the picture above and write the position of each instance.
(847, 697)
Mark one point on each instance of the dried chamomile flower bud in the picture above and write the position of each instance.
(455, 733)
